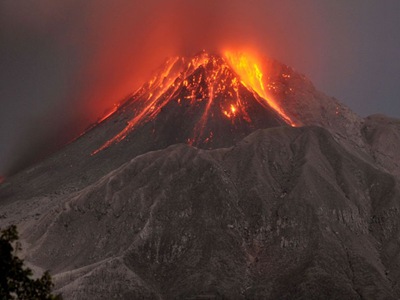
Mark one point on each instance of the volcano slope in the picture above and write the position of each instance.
(285, 212)
(198, 100)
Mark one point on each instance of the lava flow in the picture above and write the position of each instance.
(228, 90)
(251, 75)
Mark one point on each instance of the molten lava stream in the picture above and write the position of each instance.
(156, 88)
(251, 75)
(175, 74)
(109, 114)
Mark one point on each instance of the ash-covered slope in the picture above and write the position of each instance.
(287, 213)
(382, 134)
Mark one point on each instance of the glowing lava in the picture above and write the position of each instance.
(154, 90)
(249, 70)
(214, 87)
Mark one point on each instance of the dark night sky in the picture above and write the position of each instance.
(64, 62)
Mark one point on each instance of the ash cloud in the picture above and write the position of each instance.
(64, 63)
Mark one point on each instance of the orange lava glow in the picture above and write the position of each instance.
(249, 70)
(205, 82)
(109, 114)
(156, 87)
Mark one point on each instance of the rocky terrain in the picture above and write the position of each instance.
(265, 211)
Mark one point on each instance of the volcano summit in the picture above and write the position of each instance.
(220, 178)
(204, 97)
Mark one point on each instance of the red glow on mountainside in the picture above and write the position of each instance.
(204, 82)
(249, 70)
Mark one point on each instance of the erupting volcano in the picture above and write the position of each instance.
(208, 101)
(223, 177)
(206, 97)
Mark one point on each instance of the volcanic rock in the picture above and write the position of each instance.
(197, 188)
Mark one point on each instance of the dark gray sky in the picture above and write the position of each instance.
(64, 62)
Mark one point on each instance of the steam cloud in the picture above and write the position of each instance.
(65, 62)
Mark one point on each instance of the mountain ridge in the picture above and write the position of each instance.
(260, 209)
(264, 212)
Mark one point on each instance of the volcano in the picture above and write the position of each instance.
(200, 98)
(223, 177)
(207, 101)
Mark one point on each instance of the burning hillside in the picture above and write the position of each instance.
(229, 89)
(208, 101)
